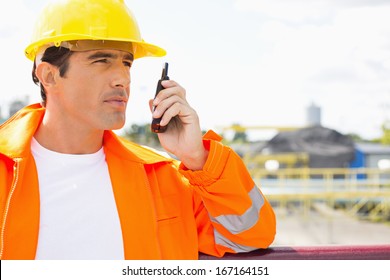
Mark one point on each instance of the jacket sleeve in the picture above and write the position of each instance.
(232, 214)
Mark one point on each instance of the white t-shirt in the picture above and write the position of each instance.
(78, 215)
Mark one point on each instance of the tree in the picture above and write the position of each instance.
(386, 133)
(141, 134)
(239, 134)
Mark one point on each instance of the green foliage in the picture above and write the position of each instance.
(141, 134)
(386, 133)
(240, 135)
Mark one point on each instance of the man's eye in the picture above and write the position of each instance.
(127, 63)
(101, 61)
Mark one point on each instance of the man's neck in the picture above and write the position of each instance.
(68, 139)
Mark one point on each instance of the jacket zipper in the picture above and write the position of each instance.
(13, 187)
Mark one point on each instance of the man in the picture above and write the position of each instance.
(71, 189)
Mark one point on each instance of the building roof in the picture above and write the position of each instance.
(373, 148)
(325, 147)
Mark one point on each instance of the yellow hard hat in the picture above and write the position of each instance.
(103, 20)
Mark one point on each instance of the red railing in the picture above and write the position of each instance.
(331, 252)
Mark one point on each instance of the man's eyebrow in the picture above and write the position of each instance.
(102, 54)
(128, 56)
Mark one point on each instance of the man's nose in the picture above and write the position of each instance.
(121, 77)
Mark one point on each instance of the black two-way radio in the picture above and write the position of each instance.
(155, 125)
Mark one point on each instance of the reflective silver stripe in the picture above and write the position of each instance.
(237, 224)
(221, 240)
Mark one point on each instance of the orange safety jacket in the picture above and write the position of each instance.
(165, 211)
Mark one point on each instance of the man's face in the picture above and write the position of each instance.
(94, 92)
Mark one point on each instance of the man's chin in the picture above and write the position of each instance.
(117, 124)
(116, 127)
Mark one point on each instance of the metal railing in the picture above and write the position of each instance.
(356, 190)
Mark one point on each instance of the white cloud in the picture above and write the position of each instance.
(302, 10)
(15, 74)
(296, 11)
(336, 53)
(13, 18)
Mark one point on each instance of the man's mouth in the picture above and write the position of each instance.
(117, 101)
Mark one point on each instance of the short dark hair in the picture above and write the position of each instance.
(57, 56)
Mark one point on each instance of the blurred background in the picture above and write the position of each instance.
(300, 89)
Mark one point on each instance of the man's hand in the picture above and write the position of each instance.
(183, 137)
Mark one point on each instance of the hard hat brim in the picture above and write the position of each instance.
(138, 49)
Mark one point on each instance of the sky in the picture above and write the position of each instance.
(251, 62)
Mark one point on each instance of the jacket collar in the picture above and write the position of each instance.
(16, 134)
(17, 131)
(132, 151)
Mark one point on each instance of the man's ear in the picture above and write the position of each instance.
(47, 74)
